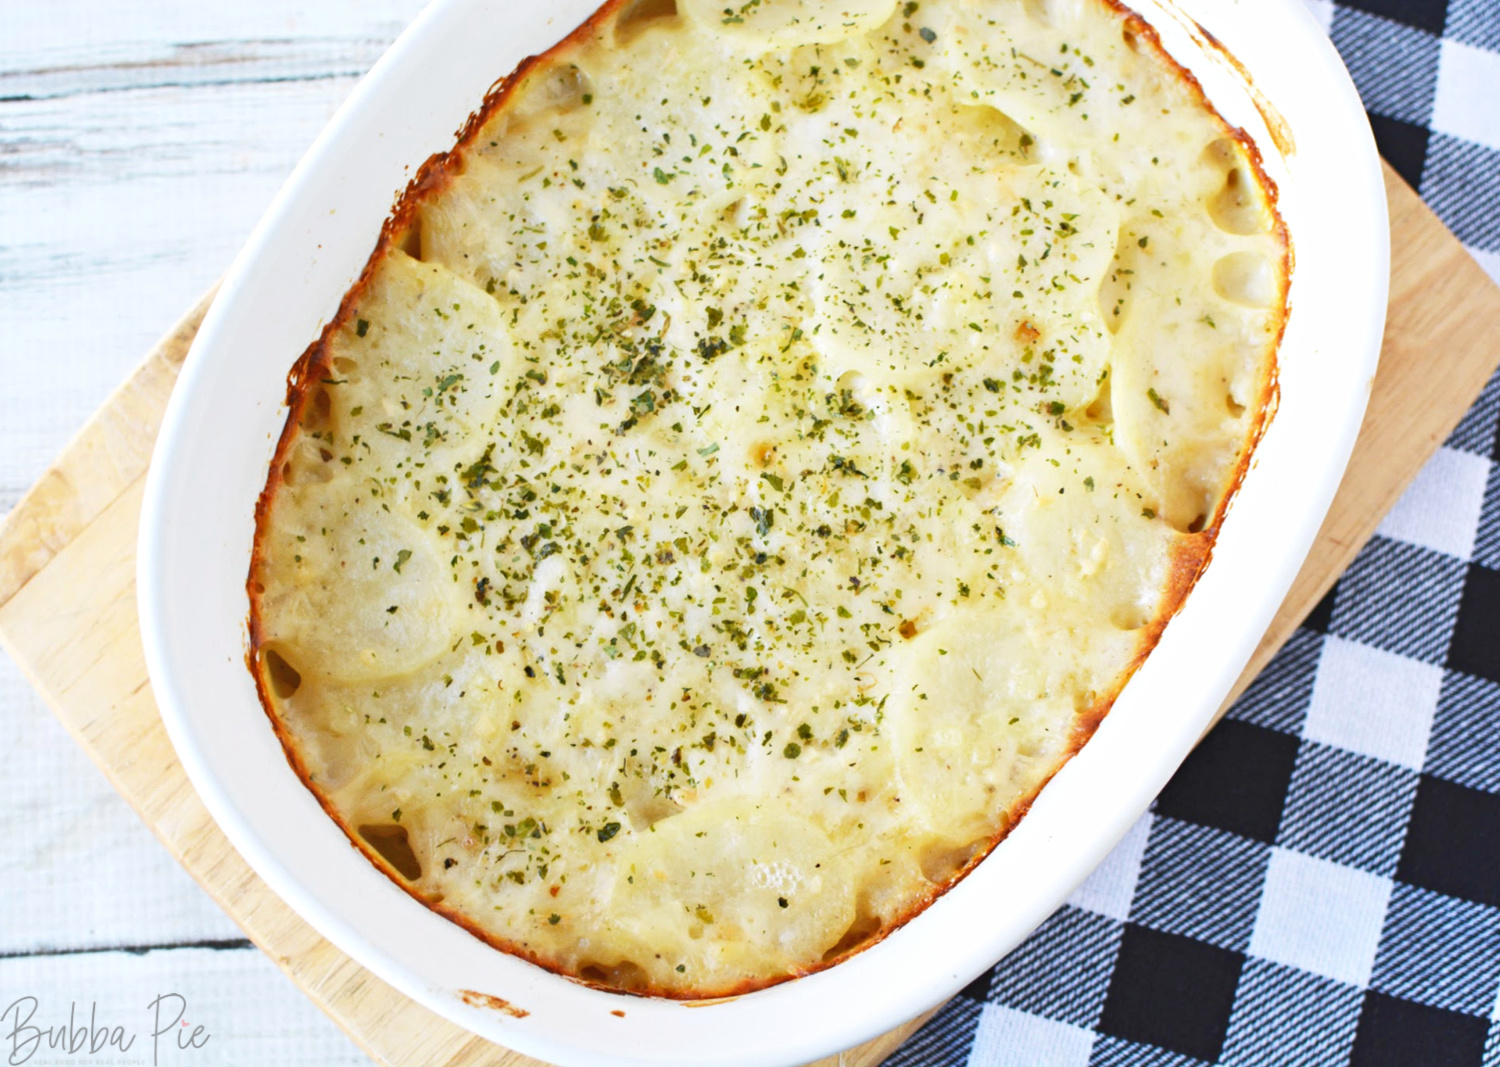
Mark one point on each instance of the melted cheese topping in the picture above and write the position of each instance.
(766, 460)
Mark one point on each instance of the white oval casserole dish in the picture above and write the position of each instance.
(227, 412)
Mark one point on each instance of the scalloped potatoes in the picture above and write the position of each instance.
(751, 464)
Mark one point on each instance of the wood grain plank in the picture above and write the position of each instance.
(125, 66)
(67, 611)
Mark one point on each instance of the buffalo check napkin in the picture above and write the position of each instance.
(1320, 883)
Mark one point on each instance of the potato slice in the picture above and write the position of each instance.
(734, 887)
(980, 719)
(409, 603)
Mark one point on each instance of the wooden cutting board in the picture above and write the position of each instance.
(67, 608)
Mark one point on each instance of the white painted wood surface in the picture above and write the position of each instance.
(139, 143)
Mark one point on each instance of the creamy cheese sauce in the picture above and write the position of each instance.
(764, 462)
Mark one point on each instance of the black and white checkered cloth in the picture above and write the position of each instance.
(1320, 883)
